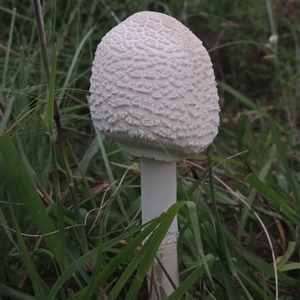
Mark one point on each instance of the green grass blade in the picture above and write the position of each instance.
(5, 226)
(42, 37)
(248, 296)
(74, 61)
(196, 229)
(288, 172)
(192, 278)
(158, 236)
(100, 138)
(129, 270)
(51, 115)
(290, 267)
(51, 99)
(227, 282)
(196, 184)
(269, 193)
(287, 255)
(93, 283)
(5, 117)
(12, 293)
(262, 175)
(266, 269)
(10, 38)
(233, 270)
(40, 289)
(113, 264)
(21, 186)
(88, 156)
(241, 98)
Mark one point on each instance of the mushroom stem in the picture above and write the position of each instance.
(159, 186)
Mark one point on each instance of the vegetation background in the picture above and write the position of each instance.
(70, 198)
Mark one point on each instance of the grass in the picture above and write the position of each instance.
(70, 198)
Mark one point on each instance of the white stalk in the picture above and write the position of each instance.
(159, 187)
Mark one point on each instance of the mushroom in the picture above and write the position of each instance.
(153, 90)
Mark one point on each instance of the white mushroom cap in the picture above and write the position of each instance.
(153, 88)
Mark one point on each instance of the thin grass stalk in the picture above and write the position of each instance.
(52, 114)
(39, 288)
(4, 118)
(61, 142)
(262, 175)
(271, 17)
(85, 182)
(97, 266)
(110, 174)
(55, 168)
(288, 172)
(45, 56)
(113, 264)
(220, 234)
(277, 66)
(264, 229)
(42, 37)
(198, 238)
(212, 194)
(83, 239)
(10, 38)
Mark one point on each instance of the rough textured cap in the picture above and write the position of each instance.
(153, 88)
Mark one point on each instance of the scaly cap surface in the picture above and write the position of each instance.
(153, 88)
